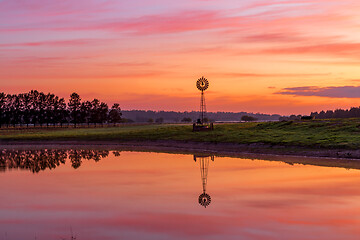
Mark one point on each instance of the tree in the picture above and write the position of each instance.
(27, 108)
(186, 119)
(13, 109)
(18, 109)
(103, 112)
(94, 112)
(34, 111)
(7, 109)
(99, 111)
(60, 111)
(294, 117)
(2, 107)
(115, 114)
(85, 112)
(127, 120)
(248, 118)
(50, 108)
(159, 120)
(74, 107)
(41, 103)
(329, 114)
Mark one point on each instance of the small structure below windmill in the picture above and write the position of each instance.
(204, 198)
(202, 123)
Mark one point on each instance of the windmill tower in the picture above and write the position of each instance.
(202, 84)
(204, 198)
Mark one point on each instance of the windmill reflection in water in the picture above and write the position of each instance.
(204, 160)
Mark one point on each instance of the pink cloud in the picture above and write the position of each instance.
(178, 22)
(332, 92)
(334, 49)
(273, 37)
(268, 75)
(126, 41)
(43, 8)
(64, 43)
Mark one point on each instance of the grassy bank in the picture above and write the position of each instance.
(337, 133)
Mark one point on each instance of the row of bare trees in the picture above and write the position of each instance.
(38, 108)
(39, 160)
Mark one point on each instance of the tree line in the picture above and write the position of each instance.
(38, 108)
(353, 112)
(176, 117)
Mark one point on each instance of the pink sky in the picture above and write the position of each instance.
(268, 56)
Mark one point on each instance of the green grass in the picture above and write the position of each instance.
(335, 133)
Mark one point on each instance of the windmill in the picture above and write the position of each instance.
(204, 198)
(202, 84)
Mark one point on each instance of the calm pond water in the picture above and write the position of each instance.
(58, 194)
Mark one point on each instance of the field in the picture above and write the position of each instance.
(328, 134)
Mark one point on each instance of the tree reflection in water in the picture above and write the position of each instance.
(39, 160)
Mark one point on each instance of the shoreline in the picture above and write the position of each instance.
(228, 149)
(313, 158)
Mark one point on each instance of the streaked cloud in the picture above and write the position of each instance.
(65, 43)
(331, 49)
(269, 75)
(146, 46)
(331, 92)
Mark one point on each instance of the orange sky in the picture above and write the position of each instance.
(273, 56)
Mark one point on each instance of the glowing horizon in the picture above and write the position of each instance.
(275, 56)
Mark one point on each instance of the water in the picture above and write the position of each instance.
(140, 195)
